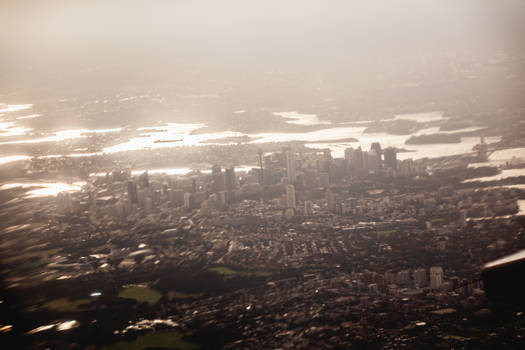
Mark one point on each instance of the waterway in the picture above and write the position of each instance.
(162, 135)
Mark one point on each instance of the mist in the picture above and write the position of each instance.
(44, 38)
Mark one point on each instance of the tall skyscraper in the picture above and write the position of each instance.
(374, 157)
(231, 180)
(390, 158)
(482, 149)
(290, 197)
(217, 179)
(349, 154)
(194, 186)
(132, 192)
(376, 147)
(261, 174)
(308, 208)
(357, 159)
(290, 164)
(144, 180)
(374, 161)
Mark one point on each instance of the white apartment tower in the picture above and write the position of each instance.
(436, 277)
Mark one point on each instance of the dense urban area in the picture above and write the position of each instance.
(302, 250)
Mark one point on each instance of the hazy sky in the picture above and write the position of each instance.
(51, 34)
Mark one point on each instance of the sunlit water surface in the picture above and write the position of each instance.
(42, 189)
(177, 135)
(502, 157)
(302, 119)
(505, 173)
(65, 135)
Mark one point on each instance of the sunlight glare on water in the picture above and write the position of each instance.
(43, 189)
(9, 159)
(170, 135)
(302, 119)
(66, 135)
(14, 108)
(9, 129)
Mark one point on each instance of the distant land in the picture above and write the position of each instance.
(433, 139)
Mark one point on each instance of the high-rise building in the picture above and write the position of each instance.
(290, 197)
(231, 180)
(366, 162)
(436, 277)
(403, 277)
(482, 149)
(92, 199)
(406, 167)
(357, 160)
(374, 157)
(349, 154)
(289, 213)
(217, 179)
(376, 147)
(144, 180)
(290, 164)
(330, 201)
(308, 208)
(261, 174)
(390, 158)
(420, 277)
(194, 185)
(187, 200)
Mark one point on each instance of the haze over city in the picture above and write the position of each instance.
(262, 174)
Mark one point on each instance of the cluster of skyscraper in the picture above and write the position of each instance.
(219, 191)
(361, 162)
(285, 172)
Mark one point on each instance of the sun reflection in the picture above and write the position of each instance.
(181, 170)
(46, 188)
(14, 108)
(41, 329)
(64, 326)
(31, 116)
(9, 129)
(66, 135)
(422, 117)
(301, 119)
(61, 326)
(9, 159)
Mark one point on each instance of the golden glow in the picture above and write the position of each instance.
(14, 108)
(9, 159)
(46, 188)
(66, 135)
